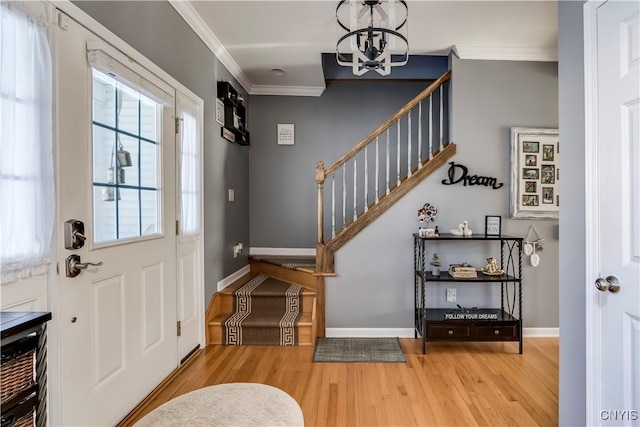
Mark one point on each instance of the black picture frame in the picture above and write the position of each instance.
(492, 225)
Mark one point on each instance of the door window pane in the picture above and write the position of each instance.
(128, 214)
(104, 213)
(149, 207)
(104, 99)
(148, 164)
(104, 143)
(126, 171)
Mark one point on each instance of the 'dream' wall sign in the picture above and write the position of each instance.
(460, 173)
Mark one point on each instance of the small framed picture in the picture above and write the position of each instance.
(530, 147)
(530, 200)
(531, 160)
(492, 225)
(530, 187)
(220, 111)
(547, 153)
(547, 195)
(530, 173)
(548, 174)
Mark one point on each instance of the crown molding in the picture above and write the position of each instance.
(507, 53)
(287, 90)
(197, 24)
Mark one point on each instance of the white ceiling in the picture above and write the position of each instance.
(253, 37)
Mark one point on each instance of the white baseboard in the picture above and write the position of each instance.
(283, 251)
(369, 332)
(541, 332)
(408, 332)
(233, 277)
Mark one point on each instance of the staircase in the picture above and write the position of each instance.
(414, 145)
(361, 186)
(228, 320)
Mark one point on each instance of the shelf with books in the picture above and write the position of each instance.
(503, 323)
(446, 277)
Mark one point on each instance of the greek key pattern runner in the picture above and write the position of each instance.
(233, 325)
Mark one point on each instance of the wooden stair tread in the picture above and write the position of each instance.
(231, 289)
(305, 264)
(306, 319)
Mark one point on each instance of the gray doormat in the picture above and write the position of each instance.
(358, 350)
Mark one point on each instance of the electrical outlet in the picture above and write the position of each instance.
(237, 250)
(451, 295)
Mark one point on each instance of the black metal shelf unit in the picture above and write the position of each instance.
(235, 115)
(484, 324)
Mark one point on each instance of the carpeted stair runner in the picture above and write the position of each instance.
(266, 312)
(291, 262)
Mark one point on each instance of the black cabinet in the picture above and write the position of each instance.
(235, 115)
(23, 382)
(483, 324)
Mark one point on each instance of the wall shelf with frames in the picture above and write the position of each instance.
(235, 114)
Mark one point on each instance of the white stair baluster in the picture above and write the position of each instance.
(387, 180)
(377, 171)
(409, 144)
(398, 154)
(366, 179)
(430, 126)
(333, 205)
(344, 195)
(420, 134)
(441, 118)
(355, 188)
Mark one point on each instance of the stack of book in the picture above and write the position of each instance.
(462, 271)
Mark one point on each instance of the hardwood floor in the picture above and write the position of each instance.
(455, 384)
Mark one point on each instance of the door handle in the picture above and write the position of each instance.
(611, 284)
(75, 267)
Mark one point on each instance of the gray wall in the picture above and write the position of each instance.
(572, 219)
(282, 178)
(157, 31)
(374, 287)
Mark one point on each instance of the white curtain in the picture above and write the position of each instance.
(189, 178)
(27, 200)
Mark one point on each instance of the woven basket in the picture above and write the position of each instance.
(16, 374)
(25, 421)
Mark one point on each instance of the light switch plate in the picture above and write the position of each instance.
(232, 195)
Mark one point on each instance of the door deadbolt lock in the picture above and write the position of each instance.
(75, 267)
(74, 234)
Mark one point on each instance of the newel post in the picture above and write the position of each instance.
(320, 176)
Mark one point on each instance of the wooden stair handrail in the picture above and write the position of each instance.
(390, 121)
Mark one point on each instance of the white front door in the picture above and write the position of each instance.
(616, 260)
(116, 166)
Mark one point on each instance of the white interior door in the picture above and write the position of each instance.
(116, 163)
(618, 212)
(190, 244)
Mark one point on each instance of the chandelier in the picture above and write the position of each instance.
(374, 38)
